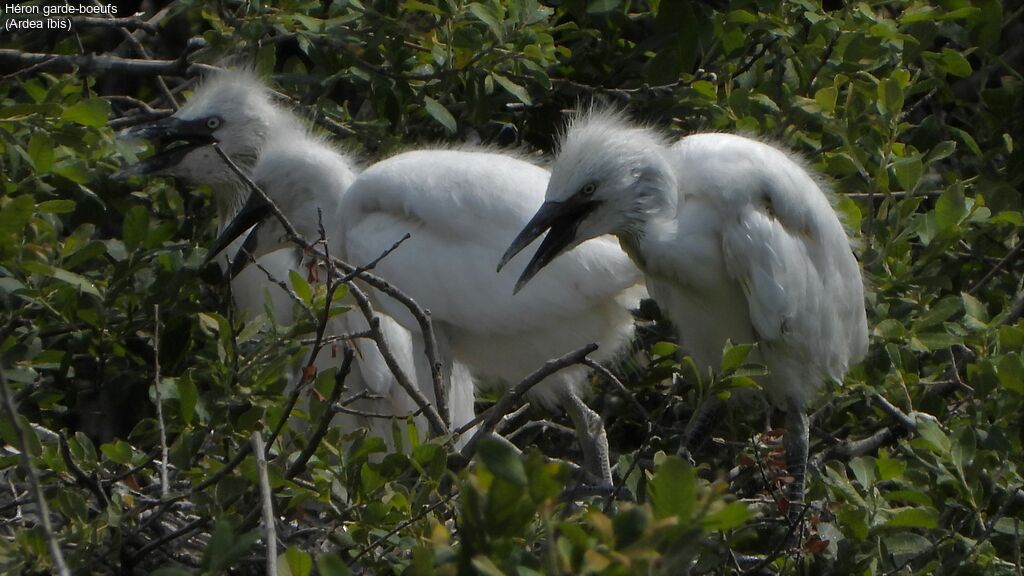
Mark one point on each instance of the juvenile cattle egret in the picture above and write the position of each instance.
(267, 142)
(461, 209)
(736, 240)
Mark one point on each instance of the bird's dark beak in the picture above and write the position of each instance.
(173, 138)
(560, 220)
(255, 210)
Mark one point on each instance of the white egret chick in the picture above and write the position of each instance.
(266, 141)
(461, 209)
(736, 240)
(235, 110)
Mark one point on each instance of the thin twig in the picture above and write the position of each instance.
(269, 529)
(325, 419)
(165, 482)
(129, 23)
(1009, 258)
(97, 64)
(489, 419)
(33, 478)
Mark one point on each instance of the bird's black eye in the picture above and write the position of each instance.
(588, 190)
(213, 122)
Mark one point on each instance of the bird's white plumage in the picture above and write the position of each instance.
(273, 147)
(462, 208)
(736, 241)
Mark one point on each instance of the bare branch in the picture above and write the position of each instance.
(98, 64)
(269, 528)
(489, 419)
(325, 419)
(164, 480)
(130, 23)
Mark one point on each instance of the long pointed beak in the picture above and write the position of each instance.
(165, 133)
(255, 210)
(560, 220)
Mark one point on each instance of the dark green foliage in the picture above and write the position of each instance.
(911, 110)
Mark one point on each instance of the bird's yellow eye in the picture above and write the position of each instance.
(213, 123)
(588, 190)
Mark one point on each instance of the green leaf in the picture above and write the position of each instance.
(188, 396)
(734, 355)
(917, 517)
(933, 436)
(890, 97)
(514, 89)
(302, 288)
(733, 515)
(40, 150)
(15, 215)
(440, 113)
(423, 7)
(674, 489)
(826, 98)
(330, 565)
(1011, 373)
(965, 444)
(955, 64)
(297, 562)
(864, 470)
(940, 151)
(487, 16)
(118, 451)
(135, 227)
(908, 171)
(950, 209)
(92, 112)
(57, 206)
(502, 460)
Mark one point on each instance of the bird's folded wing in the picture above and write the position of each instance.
(459, 230)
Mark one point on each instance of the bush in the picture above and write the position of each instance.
(911, 109)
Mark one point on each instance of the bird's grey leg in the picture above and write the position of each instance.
(592, 437)
(795, 443)
(700, 426)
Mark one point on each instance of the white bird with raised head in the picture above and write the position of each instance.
(736, 240)
(461, 209)
(266, 141)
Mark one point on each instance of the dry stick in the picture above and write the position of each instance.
(141, 51)
(613, 380)
(95, 64)
(165, 482)
(325, 419)
(129, 23)
(33, 479)
(1010, 257)
(422, 317)
(269, 530)
(363, 302)
(489, 419)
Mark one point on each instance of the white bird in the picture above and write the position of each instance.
(461, 209)
(736, 240)
(269, 143)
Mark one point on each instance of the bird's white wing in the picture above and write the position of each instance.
(462, 209)
(784, 245)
